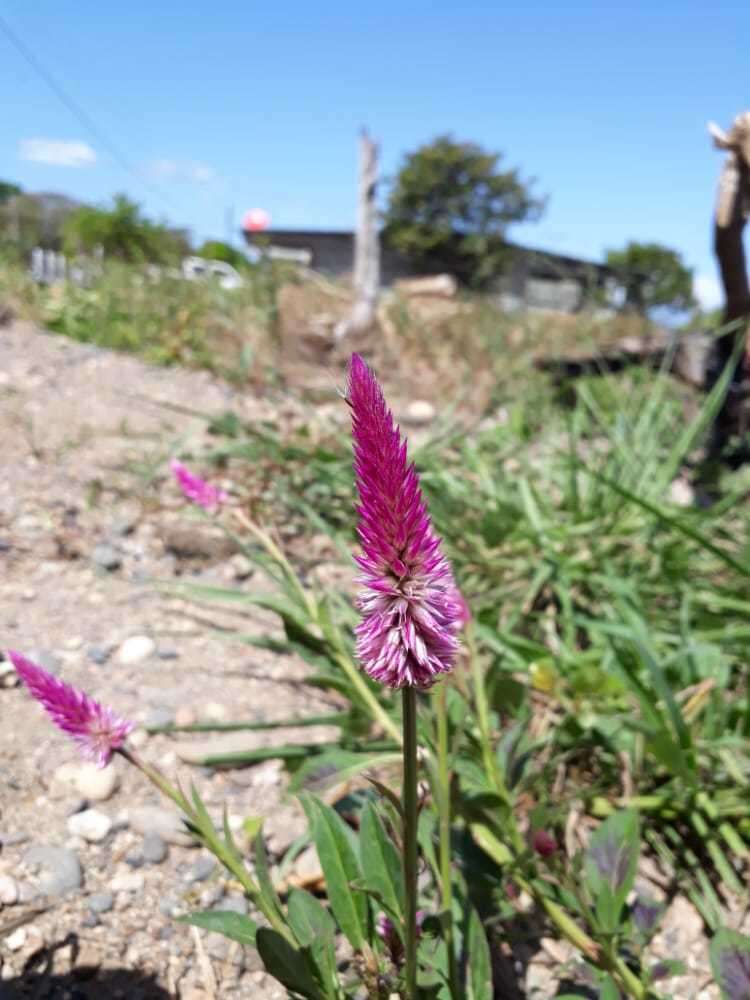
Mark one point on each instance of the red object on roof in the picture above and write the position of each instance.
(256, 220)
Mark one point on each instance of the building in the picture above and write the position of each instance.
(532, 279)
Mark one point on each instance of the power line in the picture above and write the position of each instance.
(78, 112)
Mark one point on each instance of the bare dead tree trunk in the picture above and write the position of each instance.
(730, 217)
(366, 278)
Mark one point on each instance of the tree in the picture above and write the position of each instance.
(653, 276)
(218, 250)
(31, 220)
(8, 190)
(450, 205)
(123, 232)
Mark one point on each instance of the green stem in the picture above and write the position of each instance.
(444, 807)
(410, 840)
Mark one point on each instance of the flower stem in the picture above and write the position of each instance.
(443, 798)
(410, 839)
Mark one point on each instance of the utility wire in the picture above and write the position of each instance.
(78, 112)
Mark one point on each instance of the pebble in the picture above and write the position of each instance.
(127, 882)
(97, 783)
(106, 557)
(8, 676)
(16, 940)
(46, 660)
(202, 869)
(90, 920)
(242, 568)
(164, 822)
(154, 849)
(136, 649)
(101, 902)
(8, 890)
(419, 412)
(234, 904)
(90, 824)
(61, 869)
(158, 717)
(99, 655)
(168, 653)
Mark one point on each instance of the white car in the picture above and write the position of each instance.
(196, 268)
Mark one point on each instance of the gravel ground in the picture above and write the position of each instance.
(95, 859)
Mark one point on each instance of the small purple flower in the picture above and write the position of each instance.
(196, 489)
(386, 931)
(96, 728)
(411, 607)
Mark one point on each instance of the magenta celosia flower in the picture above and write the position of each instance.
(96, 729)
(196, 489)
(411, 607)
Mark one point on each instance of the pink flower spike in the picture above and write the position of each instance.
(196, 489)
(411, 607)
(96, 729)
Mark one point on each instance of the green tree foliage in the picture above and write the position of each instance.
(8, 190)
(218, 250)
(29, 220)
(450, 205)
(123, 232)
(654, 277)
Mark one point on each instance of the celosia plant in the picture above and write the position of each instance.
(410, 604)
(197, 490)
(97, 729)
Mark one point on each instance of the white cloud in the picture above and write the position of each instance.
(177, 170)
(58, 152)
(708, 291)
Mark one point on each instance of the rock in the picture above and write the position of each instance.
(184, 716)
(154, 849)
(158, 717)
(125, 525)
(242, 567)
(136, 649)
(167, 824)
(61, 869)
(46, 660)
(90, 824)
(681, 493)
(194, 751)
(106, 557)
(127, 882)
(168, 653)
(101, 902)
(8, 676)
(87, 780)
(96, 783)
(8, 890)
(196, 541)
(16, 940)
(202, 869)
(90, 920)
(234, 904)
(418, 413)
(99, 654)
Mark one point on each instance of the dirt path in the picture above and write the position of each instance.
(78, 545)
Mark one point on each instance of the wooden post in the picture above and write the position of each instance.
(366, 277)
(730, 217)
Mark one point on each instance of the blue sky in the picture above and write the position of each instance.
(243, 104)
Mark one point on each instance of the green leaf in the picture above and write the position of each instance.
(611, 861)
(268, 894)
(381, 863)
(314, 930)
(231, 925)
(340, 867)
(479, 971)
(287, 964)
(730, 961)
